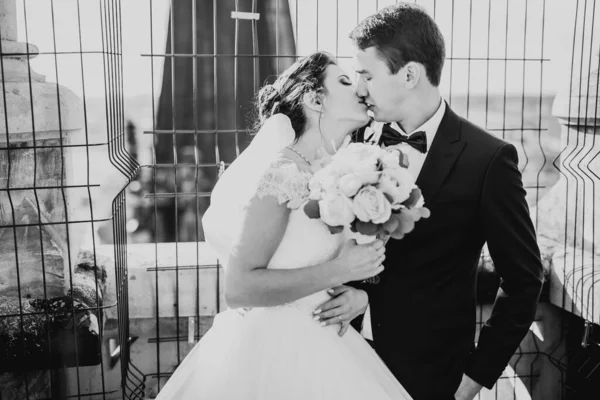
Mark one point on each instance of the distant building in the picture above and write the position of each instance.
(212, 100)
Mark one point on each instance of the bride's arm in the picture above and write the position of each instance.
(248, 283)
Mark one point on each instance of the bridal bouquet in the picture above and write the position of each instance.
(367, 190)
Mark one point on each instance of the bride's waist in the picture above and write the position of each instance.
(307, 304)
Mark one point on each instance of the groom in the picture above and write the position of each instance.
(423, 309)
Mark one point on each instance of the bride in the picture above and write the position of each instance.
(279, 263)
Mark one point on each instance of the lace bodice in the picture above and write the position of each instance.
(285, 181)
(306, 242)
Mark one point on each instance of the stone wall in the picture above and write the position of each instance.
(51, 296)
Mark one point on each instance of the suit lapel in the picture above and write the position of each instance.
(374, 133)
(358, 136)
(442, 155)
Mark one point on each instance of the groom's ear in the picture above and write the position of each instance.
(413, 71)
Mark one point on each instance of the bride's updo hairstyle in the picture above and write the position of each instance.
(285, 94)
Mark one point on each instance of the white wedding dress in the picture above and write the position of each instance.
(280, 353)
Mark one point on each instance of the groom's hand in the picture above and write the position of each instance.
(346, 304)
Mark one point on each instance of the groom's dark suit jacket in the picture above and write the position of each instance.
(423, 309)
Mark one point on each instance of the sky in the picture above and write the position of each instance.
(514, 26)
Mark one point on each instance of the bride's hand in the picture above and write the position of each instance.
(385, 238)
(357, 262)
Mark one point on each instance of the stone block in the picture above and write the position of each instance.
(41, 333)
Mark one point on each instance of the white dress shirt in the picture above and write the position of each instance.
(416, 159)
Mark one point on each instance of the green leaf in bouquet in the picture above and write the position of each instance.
(413, 198)
(417, 213)
(406, 224)
(392, 224)
(403, 160)
(335, 229)
(389, 197)
(367, 228)
(397, 235)
(311, 209)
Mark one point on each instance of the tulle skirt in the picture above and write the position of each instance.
(280, 353)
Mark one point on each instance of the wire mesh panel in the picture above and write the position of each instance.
(112, 46)
(200, 124)
(576, 261)
(215, 55)
(63, 160)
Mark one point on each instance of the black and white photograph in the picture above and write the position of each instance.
(300, 200)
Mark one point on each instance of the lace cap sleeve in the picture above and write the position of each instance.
(285, 181)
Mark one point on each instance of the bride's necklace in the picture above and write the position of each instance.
(300, 155)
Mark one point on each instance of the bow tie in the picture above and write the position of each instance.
(391, 137)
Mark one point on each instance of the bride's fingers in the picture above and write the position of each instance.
(377, 245)
(329, 305)
(335, 320)
(378, 253)
(343, 328)
(332, 316)
(337, 290)
(380, 259)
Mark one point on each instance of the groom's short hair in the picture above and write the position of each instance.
(401, 33)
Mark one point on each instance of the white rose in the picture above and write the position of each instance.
(396, 192)
(367, 173)
(349, 184)
(336, 210)
(397, 183)
(391, 159)
(358, 153)
(371, 205)
(390, 188)
(317, 191)
(325, 180)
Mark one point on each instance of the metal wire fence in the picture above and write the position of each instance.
(62, 114)
(218, 54)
